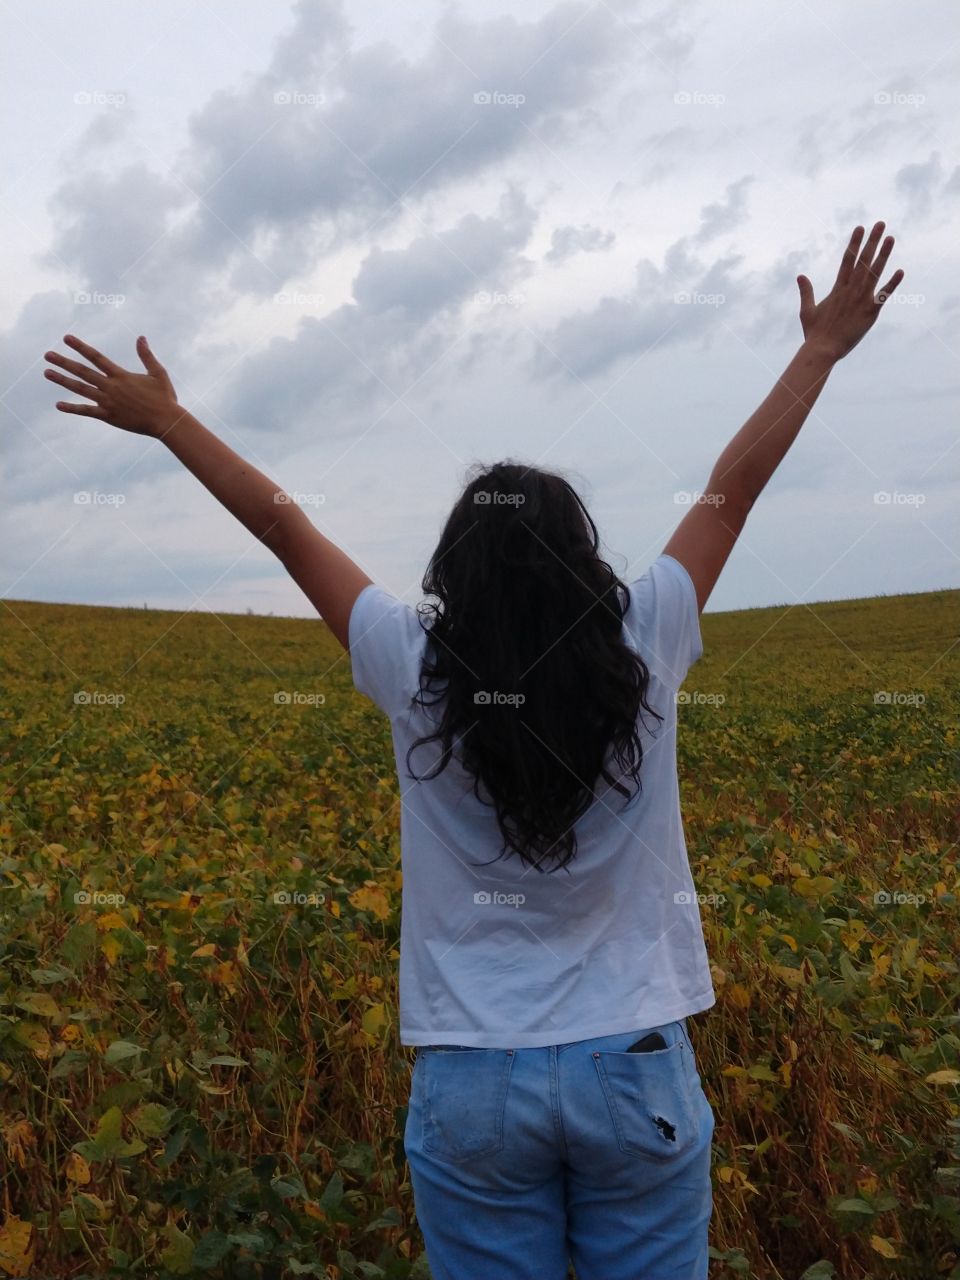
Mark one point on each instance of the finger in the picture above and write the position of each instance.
(806, 295)
(849, 256)
(870, 248)
(92, 354)
(150, 361)
(889, 287)
(885, 250)
(74, 366)
(72, 384)
(85, 410)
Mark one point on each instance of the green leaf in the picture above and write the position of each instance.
(108, 1141)
(119, 1051)
(390, 1217)
(211, 1249)
(40, 1003)
(47, 976)
(152, 1119)
(79, 943)
(226, 1060)
(332, 1193)
(178, 1255)
(855, 1206)
(421, 1269)
(73, 1060)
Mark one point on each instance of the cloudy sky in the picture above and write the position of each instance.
(373, 244)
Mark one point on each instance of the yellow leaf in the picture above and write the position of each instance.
(792, 977)
(34, 1036)
(18, 1136)
(224, 974)
(948, 1075)
(813, 886)
(111, 948)
(209, 949)
(852, 934)
(335, 909)
(76, 1169)
(374, 1020)
(112, 920)
(761, 881)
(40, 1003)
(16, 1246)
(371, 898)
(738, 995)
(883, 1247)
(786, 1073)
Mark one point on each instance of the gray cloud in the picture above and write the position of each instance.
(917, 182)
(665, 307)
(386, 337)
(568, 241)
(725, 215)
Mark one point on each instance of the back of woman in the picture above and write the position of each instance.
(551, 947)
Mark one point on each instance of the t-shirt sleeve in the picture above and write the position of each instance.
(664, 621)
(386, 642)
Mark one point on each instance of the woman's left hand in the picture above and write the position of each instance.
(145, 403)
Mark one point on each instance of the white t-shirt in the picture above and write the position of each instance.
(504, 956)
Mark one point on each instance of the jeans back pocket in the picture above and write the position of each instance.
(464, 1094)
(649, 1096)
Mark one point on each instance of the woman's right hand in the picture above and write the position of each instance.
(850, 309)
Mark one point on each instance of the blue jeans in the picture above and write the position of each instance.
(523, 1160)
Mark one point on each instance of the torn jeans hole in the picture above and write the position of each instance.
(667, 1130)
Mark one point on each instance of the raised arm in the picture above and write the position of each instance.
(147, 405)
(706, 535)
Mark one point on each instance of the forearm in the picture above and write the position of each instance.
(755, 452)
(245, 492)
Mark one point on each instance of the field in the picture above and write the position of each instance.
(201, 1077)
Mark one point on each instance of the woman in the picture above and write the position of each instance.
(551, 946)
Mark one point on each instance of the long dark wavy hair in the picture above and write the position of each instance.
(540, 694)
